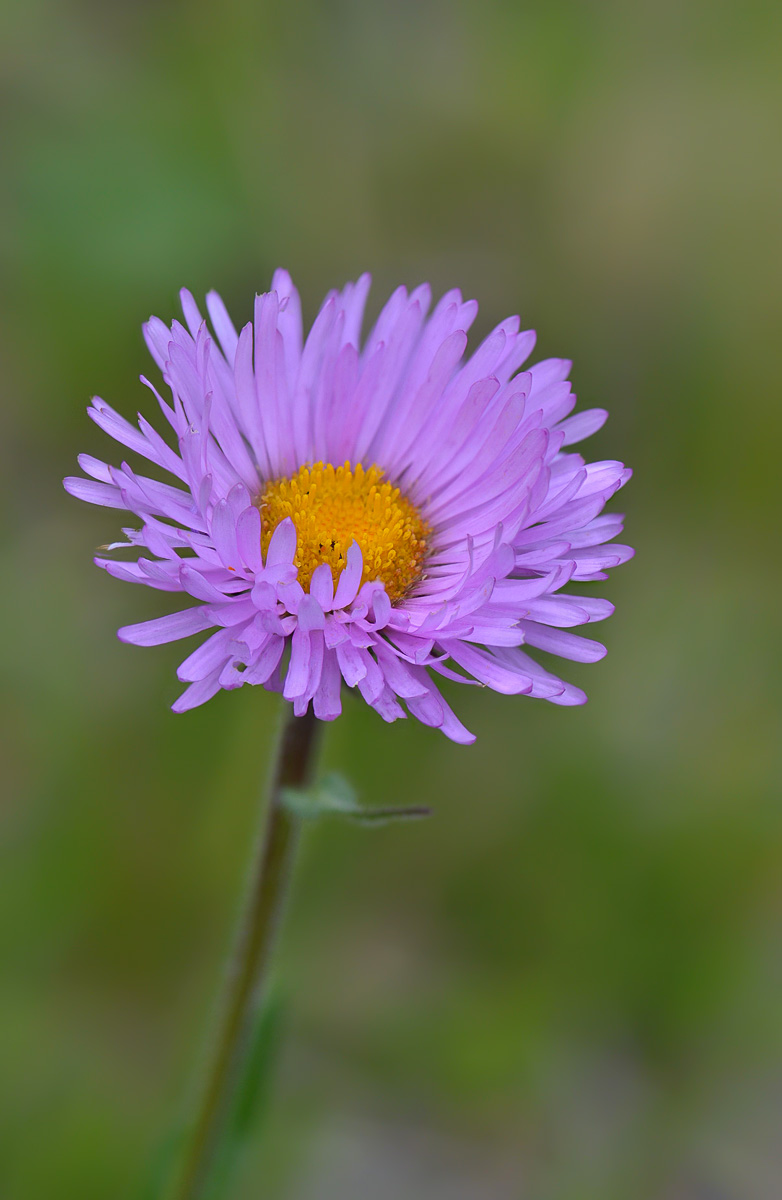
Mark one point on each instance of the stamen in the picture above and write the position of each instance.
(333, 506)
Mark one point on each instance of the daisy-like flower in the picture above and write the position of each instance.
(378, 514)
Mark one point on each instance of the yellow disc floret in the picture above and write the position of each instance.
(332, 507)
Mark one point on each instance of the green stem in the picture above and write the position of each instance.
(293, 767)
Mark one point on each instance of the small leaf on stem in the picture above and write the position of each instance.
(333, 796)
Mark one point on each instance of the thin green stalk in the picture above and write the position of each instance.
(293, 768)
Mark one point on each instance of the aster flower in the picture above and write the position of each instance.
(377, 515)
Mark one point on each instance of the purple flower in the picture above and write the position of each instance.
(377, 515)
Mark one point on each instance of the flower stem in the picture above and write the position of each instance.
(293, 767)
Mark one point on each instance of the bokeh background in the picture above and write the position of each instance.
(565, 984)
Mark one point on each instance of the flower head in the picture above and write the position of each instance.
(376, 514)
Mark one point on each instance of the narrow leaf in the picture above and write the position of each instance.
(334, 796)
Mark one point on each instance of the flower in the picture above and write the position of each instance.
(377, 515)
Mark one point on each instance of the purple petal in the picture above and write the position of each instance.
(566, 645)
(167, 629)
(349, 580)
(310, 614)
(583, 424)
(486, 669)
(351, 663)
(224, 535)
(105, 494)
(399, 677)
(198, 693)
(207, 658)
(266, 660)
(222, 325)
(248, 538)
(299, 666)
(133, 573)
(195, 583)
(282, 545)
(322, 586)
(326, 701)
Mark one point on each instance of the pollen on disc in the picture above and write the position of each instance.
(332, 507)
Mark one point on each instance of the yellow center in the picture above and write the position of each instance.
(333, 506)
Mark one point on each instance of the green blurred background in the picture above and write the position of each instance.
(565, 985)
